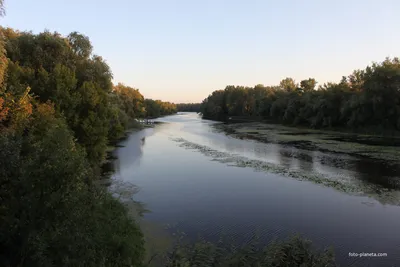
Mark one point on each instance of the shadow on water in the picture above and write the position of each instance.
(306, 156)
(308, 145)
(378, 172)
(370, 140)
(112, 163)
(132, 156)
(297, 133)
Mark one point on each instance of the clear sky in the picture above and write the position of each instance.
(182, 50)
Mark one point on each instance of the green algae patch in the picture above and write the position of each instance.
(342, 184)
(376, 147)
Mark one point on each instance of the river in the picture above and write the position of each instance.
(185, 187)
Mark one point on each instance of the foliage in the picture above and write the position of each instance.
(60, 70)
(58, 111)
(64, 71)
(3, 110)
(157, 108)
(50, 214)
(367, 98)
(130, 100)
(188, 107)
(289, 253)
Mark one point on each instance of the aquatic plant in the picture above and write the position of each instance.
(295, 251)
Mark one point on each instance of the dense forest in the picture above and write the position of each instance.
(366, 99)
(188, 107)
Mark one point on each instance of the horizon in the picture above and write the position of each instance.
(182, 52)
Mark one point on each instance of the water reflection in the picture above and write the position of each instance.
(134, 154)
(309, 159)
(378, 172)
(185, 188)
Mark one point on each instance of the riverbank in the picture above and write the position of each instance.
(376, 147)
(157, 241)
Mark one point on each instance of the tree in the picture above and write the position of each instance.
(62, 70)
(131, 100)
(308, 85)
(156, 108)
(190, 107)
(80, 44)
(288, 84)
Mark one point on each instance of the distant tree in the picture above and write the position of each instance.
(288, 84)
(308, 85)
(156, 108)
(189, 107)
(356, 80)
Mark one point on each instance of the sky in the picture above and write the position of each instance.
(182, 50)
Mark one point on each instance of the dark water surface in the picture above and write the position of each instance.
(186, 189)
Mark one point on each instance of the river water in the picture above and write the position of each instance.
(191, 192)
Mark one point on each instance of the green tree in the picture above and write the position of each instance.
(190, 107)
(288, 84)
(63, 71)
(131, 100)
(308, 85)
(80, 44)
(49, 216)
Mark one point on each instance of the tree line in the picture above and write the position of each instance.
(366, 99)
(157, 108)
(188, 107)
